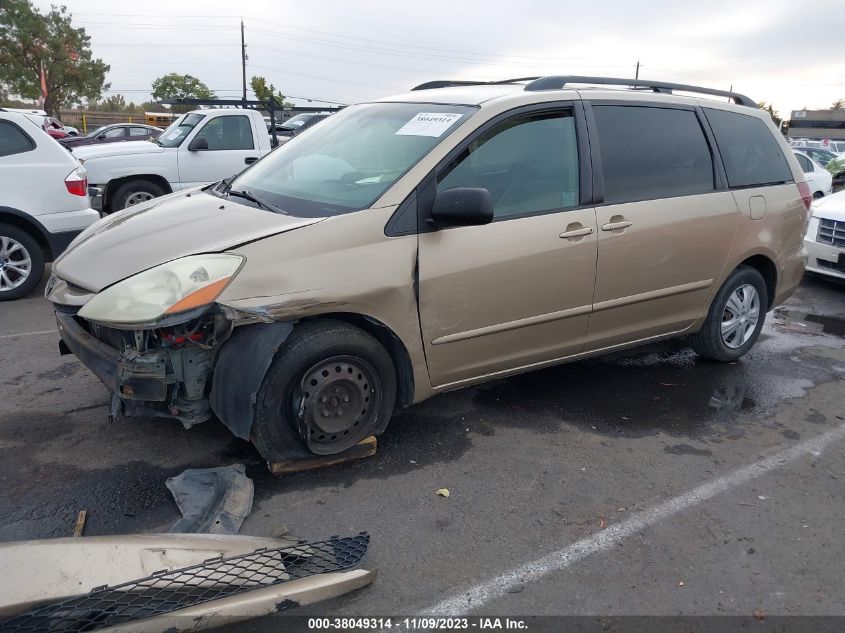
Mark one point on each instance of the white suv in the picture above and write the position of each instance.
(44, 203)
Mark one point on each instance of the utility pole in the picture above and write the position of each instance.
(637, 73)
(243, 58)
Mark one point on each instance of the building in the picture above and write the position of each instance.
(818, 124)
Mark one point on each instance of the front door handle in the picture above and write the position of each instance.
(612, 226)
(577, 232)
(249, 160)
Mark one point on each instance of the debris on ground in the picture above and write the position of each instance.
(681, 583)
(170, 582)
(79, 528)
(211, 500)
(365, 448)
(443, 492)
(759, 614)
(602, 523)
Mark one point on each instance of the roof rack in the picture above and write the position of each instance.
(556, 82)
(447, 83)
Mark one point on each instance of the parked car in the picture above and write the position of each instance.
(115, 133)
(825, 238)
(299, 123)
(434, 240)
(198, 148)
(819, 179)
(43, 122)
(43, 203)
(821, 156)
(55, 124)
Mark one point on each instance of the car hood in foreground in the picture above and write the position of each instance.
(86, 152)
(830, 207)
(164, 229)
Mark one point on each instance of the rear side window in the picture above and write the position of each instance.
(751, 154)
(649, 153)
(138, 131)
(13, 140)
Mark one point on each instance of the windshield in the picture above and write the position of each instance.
(297, 121)
(178, 130)
(349, 160)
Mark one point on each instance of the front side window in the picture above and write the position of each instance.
(13, 140)
(649, 153)
(348, 161)
(227, 133)
(115, 132)
(751, 154)
(529, 164)
(179, 129)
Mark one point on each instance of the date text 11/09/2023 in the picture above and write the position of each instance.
(418, 624)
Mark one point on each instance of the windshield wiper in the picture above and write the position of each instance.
(246, 195)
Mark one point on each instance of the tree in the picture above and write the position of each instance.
(838, 105)
(176, 86)
(772, 112)
(30, 41)
(264, 92)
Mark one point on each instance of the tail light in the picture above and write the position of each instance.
(77, 182)
(806, 194)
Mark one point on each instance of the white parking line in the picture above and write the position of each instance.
(483, 593)
(39, 332)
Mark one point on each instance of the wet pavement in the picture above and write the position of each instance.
(532, 462)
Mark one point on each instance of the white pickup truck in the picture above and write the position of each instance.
(200, 147)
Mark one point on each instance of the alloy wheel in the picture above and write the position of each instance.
(15, 264)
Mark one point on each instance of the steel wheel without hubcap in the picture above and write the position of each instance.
(134, 199)
(15, 264)
(338, 399)
(740, 317)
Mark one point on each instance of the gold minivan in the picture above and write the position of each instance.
(461, 232)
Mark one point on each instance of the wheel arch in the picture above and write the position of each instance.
(767, 269)
(29, 224)
(390, 341)
(114, 184)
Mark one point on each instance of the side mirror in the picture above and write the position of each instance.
(100, 137)
(199, 143)
(463, 206)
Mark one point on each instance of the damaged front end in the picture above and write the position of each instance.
(156, 372)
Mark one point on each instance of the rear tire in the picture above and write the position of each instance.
(332, 383)
(735, 317)
(21, 263)
(131, 194)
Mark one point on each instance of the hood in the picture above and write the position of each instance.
(830, 207)
(164, 229)
(87, 152)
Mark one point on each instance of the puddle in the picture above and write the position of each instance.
(830, 325)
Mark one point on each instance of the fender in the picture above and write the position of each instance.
(52, 243)
(237, 376)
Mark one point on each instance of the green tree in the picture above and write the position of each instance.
(29, 40)
(772, 112)
(265, 92)
(838, 104)
(176, 86)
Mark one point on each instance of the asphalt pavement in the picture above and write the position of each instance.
(649, 482)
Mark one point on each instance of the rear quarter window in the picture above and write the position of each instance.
(13, 140)
(750, 152)
(649, 153)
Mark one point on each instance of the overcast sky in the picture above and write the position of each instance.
(787, 52)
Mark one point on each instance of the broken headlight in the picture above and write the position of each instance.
(183, 285)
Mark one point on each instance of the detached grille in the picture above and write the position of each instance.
(831, 232)
(168, 591)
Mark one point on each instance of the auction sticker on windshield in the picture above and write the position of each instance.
(428, 124)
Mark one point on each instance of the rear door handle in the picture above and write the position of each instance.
(577, 232)
(249, 160)
(612, 226)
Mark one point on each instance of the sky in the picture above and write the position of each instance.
(788, 53)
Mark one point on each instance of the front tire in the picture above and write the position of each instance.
(735, 317)
(332, 383)
(131, 194)
(21, 263)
